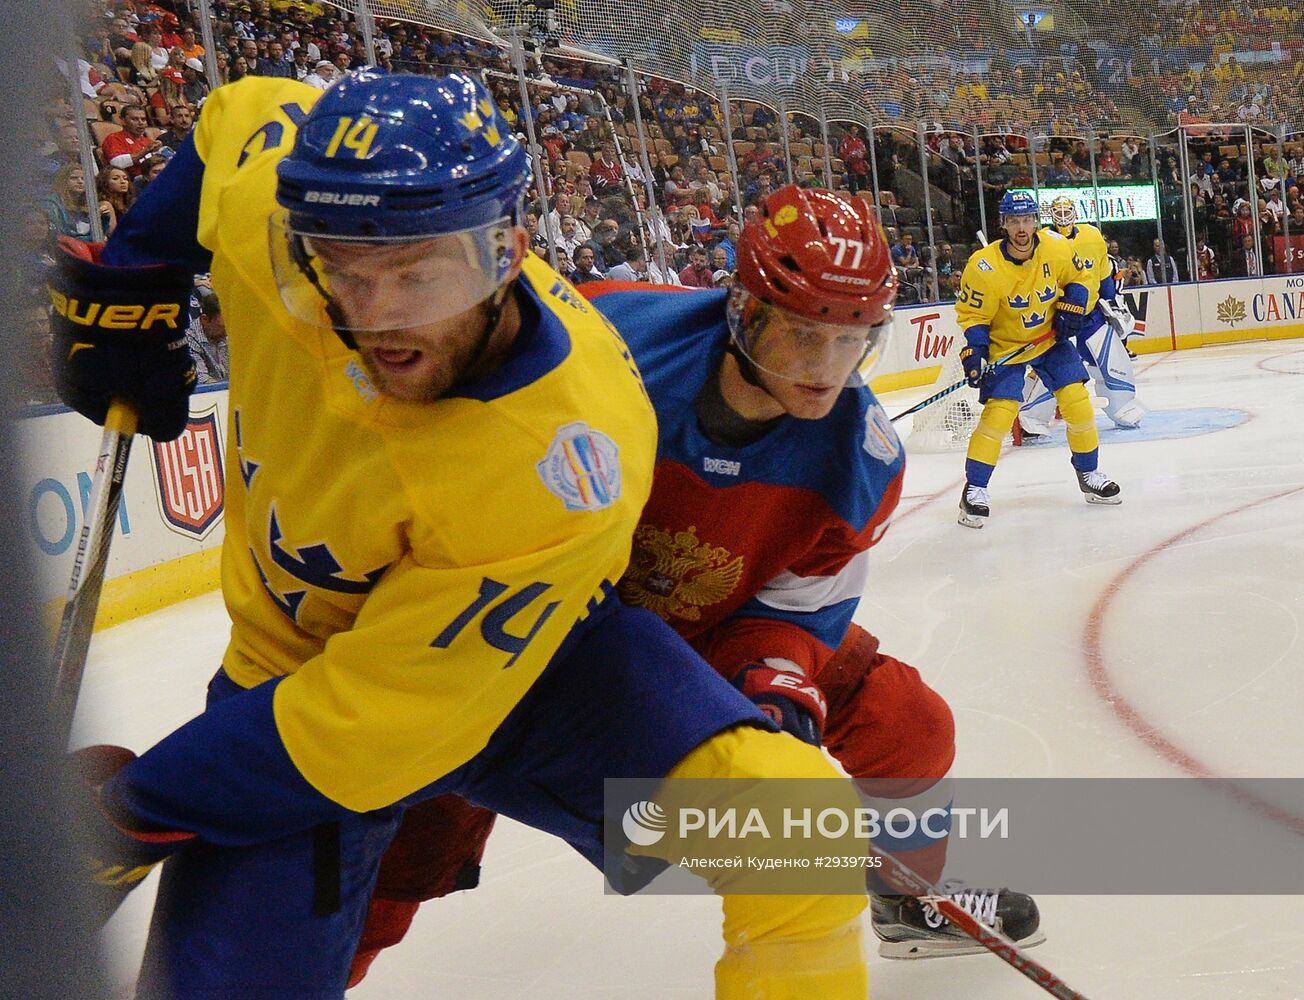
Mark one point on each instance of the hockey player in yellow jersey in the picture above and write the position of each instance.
(1102, 343)
(1021, 300)
(437, 456)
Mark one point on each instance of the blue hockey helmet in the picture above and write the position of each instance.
(384, 156)
(1018, 203)
(399, 197)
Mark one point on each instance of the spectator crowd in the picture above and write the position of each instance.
(603, 209)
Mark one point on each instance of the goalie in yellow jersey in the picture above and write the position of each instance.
(1021, 301)
(1103, 345)
(437, 458)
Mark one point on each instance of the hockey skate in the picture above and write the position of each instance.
(1097, 487)
(974, 506)
(908, 927)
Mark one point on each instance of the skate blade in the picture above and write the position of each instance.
(970, 520)
(944, 948)
(1102, 501)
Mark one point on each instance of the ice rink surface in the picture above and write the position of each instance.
(1155, 639)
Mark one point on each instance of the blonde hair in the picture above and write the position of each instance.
(140, 62)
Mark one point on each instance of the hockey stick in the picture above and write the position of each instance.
(998, 944)
(943, 393)
(88, 566)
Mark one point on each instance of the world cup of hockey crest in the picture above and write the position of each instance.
(676, 574)
(582, 467)
(188, 473)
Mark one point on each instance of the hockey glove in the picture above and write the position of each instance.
(120, 332)
(795, 704)
(1071, 315)
(123, 850)
(974, 360)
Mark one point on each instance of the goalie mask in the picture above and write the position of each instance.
(1063, 215)
(815, 288)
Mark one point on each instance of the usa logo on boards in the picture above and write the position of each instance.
(188, 472)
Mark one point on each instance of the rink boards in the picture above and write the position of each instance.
(170, 529)
(1169, 318)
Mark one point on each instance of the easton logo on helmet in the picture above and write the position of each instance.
(341, 198)
(846, 279)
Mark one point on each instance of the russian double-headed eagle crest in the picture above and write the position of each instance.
(675, 574)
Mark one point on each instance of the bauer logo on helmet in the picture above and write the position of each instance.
(340, 198)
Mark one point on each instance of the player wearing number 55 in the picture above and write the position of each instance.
(441, 453)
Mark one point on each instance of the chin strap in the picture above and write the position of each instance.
(303, 261)
(738, 323)
(493, 316)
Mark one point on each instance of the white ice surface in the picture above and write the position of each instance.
(1199, 635)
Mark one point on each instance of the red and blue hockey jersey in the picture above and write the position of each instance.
(752, 552)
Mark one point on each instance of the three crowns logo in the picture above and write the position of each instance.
(1033, 319)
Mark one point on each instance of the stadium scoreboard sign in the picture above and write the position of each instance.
(1106, 203)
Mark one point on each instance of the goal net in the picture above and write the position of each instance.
(947, 424)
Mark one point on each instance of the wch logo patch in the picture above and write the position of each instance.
(582, 468)
(188, 471)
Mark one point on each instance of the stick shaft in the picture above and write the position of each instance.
(942, 394)
(89, 564)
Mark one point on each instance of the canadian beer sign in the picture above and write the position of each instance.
(1107, 203)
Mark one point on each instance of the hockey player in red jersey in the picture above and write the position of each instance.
(777, 470)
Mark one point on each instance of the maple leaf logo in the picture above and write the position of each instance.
(1231, 310)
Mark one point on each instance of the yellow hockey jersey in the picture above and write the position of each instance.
(413, 566)
(1090, 254)
(1015, 300)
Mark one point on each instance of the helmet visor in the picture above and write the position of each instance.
(349, 284)
(797, 349)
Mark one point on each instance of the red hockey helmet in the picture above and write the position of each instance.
(823, 260)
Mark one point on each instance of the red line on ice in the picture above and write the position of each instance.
(1128, 714)
(1263, 363)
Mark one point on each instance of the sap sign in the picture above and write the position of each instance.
(1107, 203)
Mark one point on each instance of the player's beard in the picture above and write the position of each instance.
(454, 351)
(1021, 242)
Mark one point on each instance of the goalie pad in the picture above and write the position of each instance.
(1112, 377)
(1111, 370)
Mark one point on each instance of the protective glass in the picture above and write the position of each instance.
(797, 349)
(353, 284)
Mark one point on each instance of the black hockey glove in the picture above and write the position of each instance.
(120, 332)
(1071, 316)
(974, 360)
